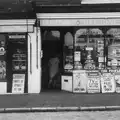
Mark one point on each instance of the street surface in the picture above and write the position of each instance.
(103, 115)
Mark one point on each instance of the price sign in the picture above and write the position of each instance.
(18, 83)
(107, 83)
(79, 81)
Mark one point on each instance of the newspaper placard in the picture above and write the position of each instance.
(79, 81)
(93, 85)
(18, 83)
(107, 83)
(117, 81)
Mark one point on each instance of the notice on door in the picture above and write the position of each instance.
(18, 83)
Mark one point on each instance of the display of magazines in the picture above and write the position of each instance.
(19, 60)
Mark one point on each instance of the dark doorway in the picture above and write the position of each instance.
(52, 47)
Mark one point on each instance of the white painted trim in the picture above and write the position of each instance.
(21, 28)
(99, 1)
(79, 19)
(77, 15)
(17, 22)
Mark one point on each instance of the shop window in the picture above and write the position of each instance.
(113, 43)
(68, 52)
(68, 39)
(94, 60)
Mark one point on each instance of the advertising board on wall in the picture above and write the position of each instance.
(79, 81)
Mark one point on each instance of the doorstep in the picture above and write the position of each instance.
(59, 101)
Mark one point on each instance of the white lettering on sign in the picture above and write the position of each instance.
(16, 36)
(80, 22)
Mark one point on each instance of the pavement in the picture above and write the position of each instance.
(55, 101)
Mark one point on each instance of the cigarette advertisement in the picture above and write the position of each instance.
(107, 83)
(79, 81)
(93, 85)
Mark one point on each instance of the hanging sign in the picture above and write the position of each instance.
(107, 83)
(93, 85)
(18, 83)
(79, 81)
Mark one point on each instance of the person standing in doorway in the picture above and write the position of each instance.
(53, 70)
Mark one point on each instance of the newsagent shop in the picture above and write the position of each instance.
(82, 42)
(19, 65)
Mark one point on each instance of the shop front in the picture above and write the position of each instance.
(18, 57)
(89, 49)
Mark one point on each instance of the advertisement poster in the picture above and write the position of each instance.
(19, 60)
(93, 85)
(79, 81)
(77, 56)
(108, 83)
(117, 81)
(18, 83)
(2, 58)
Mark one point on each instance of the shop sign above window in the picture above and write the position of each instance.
(16, 36)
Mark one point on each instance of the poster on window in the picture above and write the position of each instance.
(117, 81)
(93, 85)
(79, 81)
(18, 83)
(107, 83)
(77, 56)
(2, 70)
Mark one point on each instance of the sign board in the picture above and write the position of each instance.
(107, 83)
(16, 36)
(79, 81)
(93, 85)
(18, 83)
(117, 81)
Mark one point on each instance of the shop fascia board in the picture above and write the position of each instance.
(78, 15)
(15, 25)
(79, 19)
(17, 22)
(99, 1)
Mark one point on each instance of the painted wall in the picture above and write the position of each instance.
(34, 81)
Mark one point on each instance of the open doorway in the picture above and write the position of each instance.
(52, 47)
